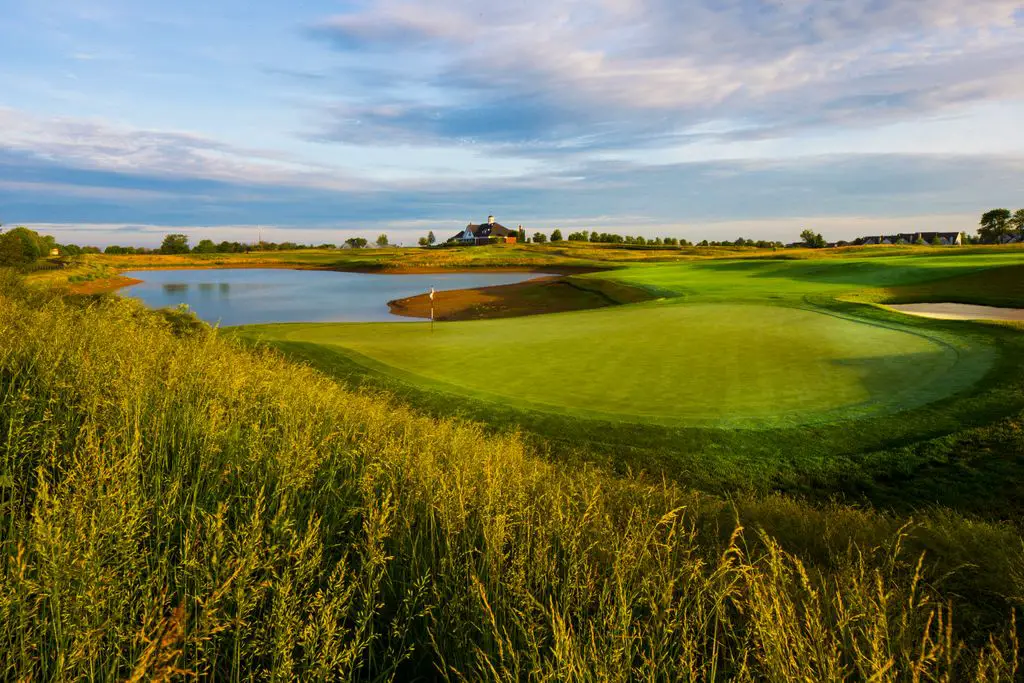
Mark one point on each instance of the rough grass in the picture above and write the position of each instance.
(173, 505)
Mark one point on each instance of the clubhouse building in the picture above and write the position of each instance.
(485, 233)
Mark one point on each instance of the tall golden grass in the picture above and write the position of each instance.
(174, 506)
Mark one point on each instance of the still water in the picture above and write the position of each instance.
(253, 295)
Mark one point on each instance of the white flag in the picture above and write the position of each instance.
(431, 293)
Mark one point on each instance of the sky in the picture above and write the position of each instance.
(313, 121)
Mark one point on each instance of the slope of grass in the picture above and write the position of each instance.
(707, 365)
(171, 504)
(580, 383)
(1002, 286)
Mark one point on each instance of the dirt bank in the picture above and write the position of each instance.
(102, 285)
(543, 295)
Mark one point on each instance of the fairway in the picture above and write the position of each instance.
(725, 365)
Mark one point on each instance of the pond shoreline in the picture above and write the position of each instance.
(242, 296)
(119, 281)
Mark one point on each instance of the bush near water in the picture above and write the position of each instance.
(172, 504)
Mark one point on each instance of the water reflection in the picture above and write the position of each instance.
(250, 296)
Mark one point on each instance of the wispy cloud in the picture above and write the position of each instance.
(104, 146)
(626, 72)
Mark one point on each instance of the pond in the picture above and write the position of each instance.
(250, 296)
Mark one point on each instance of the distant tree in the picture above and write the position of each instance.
(936, 241)
(539, 238)
(326, 246)
(12, 251)
(174, 244)
(70, 249)
(430, 237)
(521, 235)
(382, 240)
(1017, 221)
(356, 242)
(919, 241)
(31, 243)
(423, 242)
(90, 250)
(994, 225)
(205, 247)
(812, 239)
(556, 235)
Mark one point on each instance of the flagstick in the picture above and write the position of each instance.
(431, 310)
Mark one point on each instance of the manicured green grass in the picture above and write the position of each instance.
(710, 365)
(750, 374)
(767, 278)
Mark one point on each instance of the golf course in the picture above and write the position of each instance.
(769, 373)
(709, 464)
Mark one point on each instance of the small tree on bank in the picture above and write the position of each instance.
(175, 243)
(382, 240)
(539, 238)
(430, 237)
(205, 247)
(556, 235)
(356, 242)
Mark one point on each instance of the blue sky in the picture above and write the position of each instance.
(319, 120)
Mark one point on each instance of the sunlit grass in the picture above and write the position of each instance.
(173, 504)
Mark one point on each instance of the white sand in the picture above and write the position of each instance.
(960, 311)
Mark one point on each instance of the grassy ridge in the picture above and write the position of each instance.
(170, 502)
(962, 448)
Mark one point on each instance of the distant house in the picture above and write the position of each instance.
(949, 239)
(485, 233)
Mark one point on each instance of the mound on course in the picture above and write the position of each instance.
(735, 365)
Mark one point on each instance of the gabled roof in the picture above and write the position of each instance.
(484, 230)
(489, 229)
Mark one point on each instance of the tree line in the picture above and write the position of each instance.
(997, 225)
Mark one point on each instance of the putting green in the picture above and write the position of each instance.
(729, 365)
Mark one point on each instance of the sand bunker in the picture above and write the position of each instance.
(960, 311)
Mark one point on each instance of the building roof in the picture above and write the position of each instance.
(484, 230)
(912, 237)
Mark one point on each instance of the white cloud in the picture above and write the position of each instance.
(637, 70)
(102, 145)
